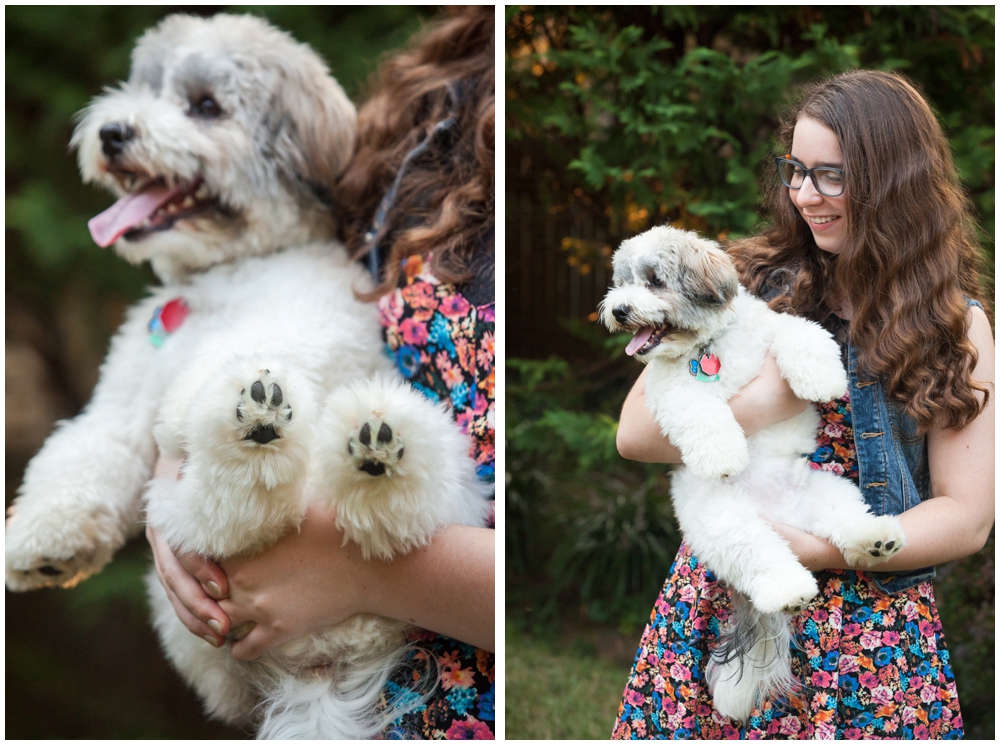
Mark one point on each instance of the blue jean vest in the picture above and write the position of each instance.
(893, 473)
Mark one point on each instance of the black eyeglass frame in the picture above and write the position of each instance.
(811, 173)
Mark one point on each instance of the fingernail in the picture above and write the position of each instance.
(213, 589)
(211, 640)
(215, 626)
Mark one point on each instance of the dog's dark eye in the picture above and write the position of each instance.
(654, 281)
(206, 107)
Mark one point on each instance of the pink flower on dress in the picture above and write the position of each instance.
(871, 640)
(920, 732)
(688, 594)
(470, 729)
(848, 664)
(635, 698)
(834, 429)
(928, 694)
(454, 306)
(868, 680)
(679, 672)
(821, 678)
(414, 332)
(882, 695)
(789, 725)
(820, 615)
(852, 629)
(890, 638)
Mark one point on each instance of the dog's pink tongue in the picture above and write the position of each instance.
(638, 340)
(128, 212)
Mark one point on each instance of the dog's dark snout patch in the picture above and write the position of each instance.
(49, 571)
(114, 137)
(620, 312)
(263, 434)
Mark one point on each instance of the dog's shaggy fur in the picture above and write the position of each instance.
(679, 295)
(222, 145)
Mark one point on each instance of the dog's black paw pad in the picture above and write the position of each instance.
(263, 412)
(379, 454)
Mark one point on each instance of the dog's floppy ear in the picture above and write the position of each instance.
(711, 277)
(311, 125)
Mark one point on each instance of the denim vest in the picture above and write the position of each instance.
(893, 473)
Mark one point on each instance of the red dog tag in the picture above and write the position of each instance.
(709, 364)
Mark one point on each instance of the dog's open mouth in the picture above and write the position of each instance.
(154, 207)
(647, 338)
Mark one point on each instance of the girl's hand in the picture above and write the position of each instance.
(193, 583)
(305, 582)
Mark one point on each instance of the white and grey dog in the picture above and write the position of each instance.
(254, 360)
(704, 337)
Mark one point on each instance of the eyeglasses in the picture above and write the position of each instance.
(828, 181)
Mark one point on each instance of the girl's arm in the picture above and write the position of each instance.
(956, 522)
(765, 400)
(308, 580)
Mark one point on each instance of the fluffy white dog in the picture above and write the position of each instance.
(704, 337)
(254, 360)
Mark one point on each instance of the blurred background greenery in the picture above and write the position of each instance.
(83, 663)
(622, 118)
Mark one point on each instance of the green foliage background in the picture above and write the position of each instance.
(83, 663)
(635, 115)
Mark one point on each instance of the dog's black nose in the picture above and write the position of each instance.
(114, 136)
(621, 312)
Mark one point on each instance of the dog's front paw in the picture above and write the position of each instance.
(261, 410)
(53, 550)
(878, 540)
(375, 447)
(783, 592)
(820, 383)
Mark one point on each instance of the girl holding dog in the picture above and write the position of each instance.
(872, 237)
(417, 206)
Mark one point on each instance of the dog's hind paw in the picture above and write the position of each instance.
(261, 409)
(879, 540)
(375, 447)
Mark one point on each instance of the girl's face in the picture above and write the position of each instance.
(814, 144)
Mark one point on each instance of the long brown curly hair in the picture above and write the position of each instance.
(445, 200)
(910, 252)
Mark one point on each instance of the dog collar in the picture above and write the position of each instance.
(166, 319)
(706, 366)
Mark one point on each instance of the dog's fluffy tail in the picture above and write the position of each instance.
(344, 707)
(752, 661)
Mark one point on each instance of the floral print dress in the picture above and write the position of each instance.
(873, 666)
(442, 342)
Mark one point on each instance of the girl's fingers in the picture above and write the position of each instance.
(200, 613)
(208, 573)
(193, 624)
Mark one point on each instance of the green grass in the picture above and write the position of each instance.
(559, 694)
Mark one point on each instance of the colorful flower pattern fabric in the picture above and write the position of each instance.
(872, 666)
(443, 345)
